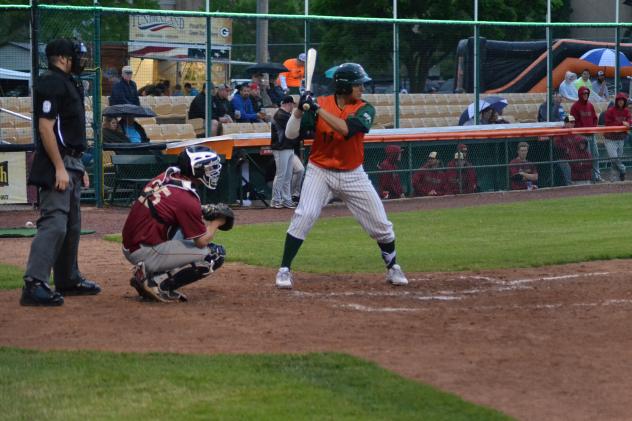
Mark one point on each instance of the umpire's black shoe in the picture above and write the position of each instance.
(82, 287)
(38, 293)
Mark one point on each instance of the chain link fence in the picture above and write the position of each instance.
(426, 74)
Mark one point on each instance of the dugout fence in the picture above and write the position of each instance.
(410, 60)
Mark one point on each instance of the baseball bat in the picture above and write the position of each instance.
(310, 65)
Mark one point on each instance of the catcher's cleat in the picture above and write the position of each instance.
(173, 295)
(395, 276)
(146, 288)
(284, 278)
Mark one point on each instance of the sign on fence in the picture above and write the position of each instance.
(178, 38)
(12, 178)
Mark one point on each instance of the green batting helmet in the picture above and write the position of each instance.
(347, 75)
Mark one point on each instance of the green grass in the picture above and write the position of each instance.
(99, 385)
(11, 277)
(535, 233)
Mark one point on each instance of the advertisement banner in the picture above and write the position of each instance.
(176, 38)
(12, 178)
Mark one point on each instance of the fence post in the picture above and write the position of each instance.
(396, 65)
(96, 110)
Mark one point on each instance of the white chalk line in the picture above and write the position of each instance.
(550, 306)
(451, 295)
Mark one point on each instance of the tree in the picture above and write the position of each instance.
(421, 46)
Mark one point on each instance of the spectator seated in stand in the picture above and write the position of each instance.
(257, 102)
(568, 90)
(390, 183)
(197, 109)
(242, 106)
(429, 180)
(461, 176)
(189, 90)
(581, 162)
(112, 132)
(133, 131)
(600, 87)
(177, 91)
(523, 174)
(557, 110)
(222, 109)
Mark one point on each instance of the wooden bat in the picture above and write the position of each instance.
(310, 65)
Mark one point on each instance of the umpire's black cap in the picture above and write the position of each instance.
(60, 47)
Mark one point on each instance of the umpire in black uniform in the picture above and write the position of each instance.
(59, 173)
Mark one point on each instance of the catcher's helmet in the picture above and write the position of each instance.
(202, 163)
(347, 75)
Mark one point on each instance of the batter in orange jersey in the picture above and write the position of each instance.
(335, 170)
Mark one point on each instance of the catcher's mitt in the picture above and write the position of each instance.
(220, 210)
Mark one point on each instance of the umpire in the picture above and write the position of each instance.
(57, 170)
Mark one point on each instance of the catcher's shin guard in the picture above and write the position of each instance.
(184, 275)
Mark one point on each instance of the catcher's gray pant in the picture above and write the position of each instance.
(283, 160)
(56, 243)
(354, 188)
(167, 256)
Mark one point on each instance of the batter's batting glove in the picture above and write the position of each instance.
(220, 210)
(308, 98)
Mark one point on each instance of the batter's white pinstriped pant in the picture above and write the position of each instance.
(354, 188)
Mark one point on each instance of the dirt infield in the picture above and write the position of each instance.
(549, 343)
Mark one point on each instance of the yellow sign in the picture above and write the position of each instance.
(179, 30)
(12, 177)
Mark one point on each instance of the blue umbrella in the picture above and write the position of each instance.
(605, 57)
(495, 102)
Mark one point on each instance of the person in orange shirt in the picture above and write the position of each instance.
(291, 80)
(335, 169)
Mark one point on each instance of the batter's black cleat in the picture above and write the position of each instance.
(81, 287)
(38, 293)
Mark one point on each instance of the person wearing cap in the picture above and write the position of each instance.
(600, 87)
(562, 150)
(59, 173)
(284, 156)
(290, 81)
(390, 185)
(461, 175)
(429, 180)
(618, 115)
(125, 91)
(222, 110)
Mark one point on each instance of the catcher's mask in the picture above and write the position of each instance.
(202, 163)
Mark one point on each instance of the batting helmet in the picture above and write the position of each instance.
(202, 163)
(347, 75)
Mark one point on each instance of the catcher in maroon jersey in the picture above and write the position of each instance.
(168, 234)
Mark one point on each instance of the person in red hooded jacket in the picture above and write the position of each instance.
(390, 184)
(619, 115)
(585, 116)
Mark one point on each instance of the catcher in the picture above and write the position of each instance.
(168, 233)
